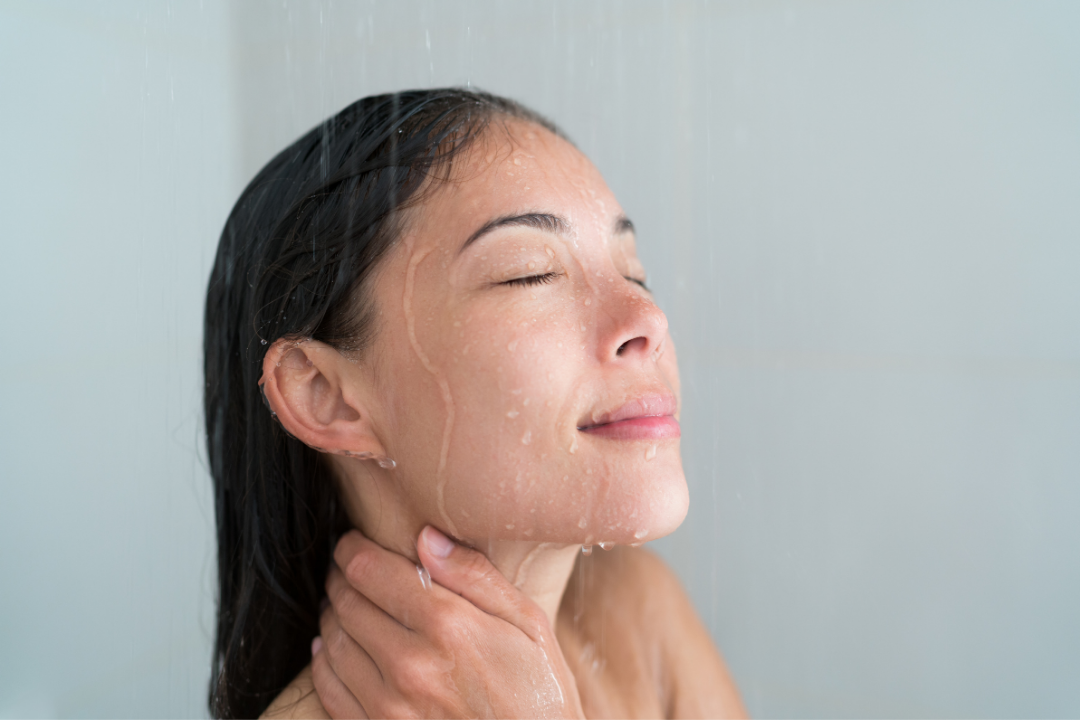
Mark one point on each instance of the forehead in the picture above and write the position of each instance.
(515, 167)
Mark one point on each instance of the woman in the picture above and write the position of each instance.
(428, 335)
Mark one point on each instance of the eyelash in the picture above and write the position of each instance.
(550, 277)
(533, 280)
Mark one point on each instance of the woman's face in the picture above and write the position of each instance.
(513, 329)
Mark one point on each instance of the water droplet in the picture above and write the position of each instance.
(510, 526)
(512, 345)
(582, 523)
(531, 265)
(512, 414)
(588, 302)
(525, 402)
(457, 323)
(549, 251)
(586, 549)
(425, 576)
(606, 545)
(641, 533)
(527, 437)
(573, 444)
(386, 463)
(650, 453)
(517, 161)
(263, 341)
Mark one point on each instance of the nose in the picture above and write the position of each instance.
(634, 326)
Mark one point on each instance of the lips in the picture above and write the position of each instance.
(647, 417)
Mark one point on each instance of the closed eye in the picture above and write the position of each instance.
(532, 280)
(639, 282)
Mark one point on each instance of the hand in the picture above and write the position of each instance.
(467, 643)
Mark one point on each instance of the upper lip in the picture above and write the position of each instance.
(650, 405)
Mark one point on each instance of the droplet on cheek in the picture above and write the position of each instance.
(512, 345)
(650, 453)
(512, 414)
(588, 302)
(573, 444)
(527, 437)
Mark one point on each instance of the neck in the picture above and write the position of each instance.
(540, 570)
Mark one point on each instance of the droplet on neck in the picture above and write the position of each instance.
(425, 576)
(586, 549)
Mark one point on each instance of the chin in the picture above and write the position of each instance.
(640, 507)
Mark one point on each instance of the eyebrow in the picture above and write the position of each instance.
(540, 221)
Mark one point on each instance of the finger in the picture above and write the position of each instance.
(388, 579)
(350, 664)
(471, 575)
(380, 635)
(334, 696)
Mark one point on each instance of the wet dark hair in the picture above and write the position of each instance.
(292, 262)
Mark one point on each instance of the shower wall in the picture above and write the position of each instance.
(860, 218)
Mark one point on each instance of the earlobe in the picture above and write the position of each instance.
(312, 390)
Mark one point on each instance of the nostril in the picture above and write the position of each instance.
(639, 342)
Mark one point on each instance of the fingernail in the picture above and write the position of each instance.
(438, 544)
(316, 646)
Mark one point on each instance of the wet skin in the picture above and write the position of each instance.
(524, 382)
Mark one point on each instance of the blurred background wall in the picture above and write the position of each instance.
(863, 221)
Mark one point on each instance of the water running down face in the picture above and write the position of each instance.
(528, 379)
(521, 375)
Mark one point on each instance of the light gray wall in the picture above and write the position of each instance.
(116, 173)
(860, 217)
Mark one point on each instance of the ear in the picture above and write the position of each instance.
(317, 395)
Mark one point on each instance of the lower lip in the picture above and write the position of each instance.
(639, 428)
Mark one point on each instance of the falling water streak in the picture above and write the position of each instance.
(448, 400)
(425, 576)
(586, 549)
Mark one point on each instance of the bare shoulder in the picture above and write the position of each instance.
(635, 588)
(297, 700)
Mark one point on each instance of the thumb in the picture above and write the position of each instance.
(471, 575)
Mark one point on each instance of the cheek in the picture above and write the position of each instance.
(513, 376)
